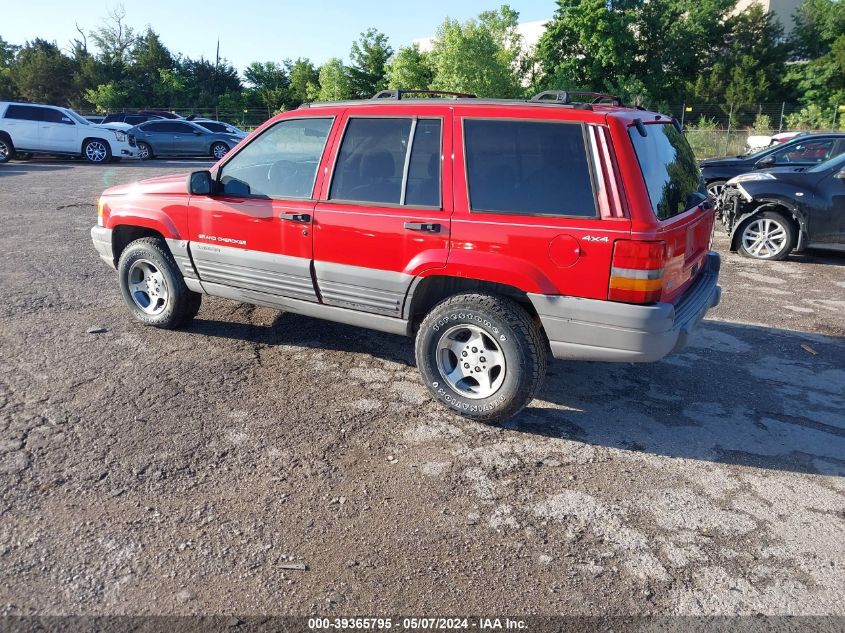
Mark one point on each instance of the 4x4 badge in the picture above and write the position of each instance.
(593, 238)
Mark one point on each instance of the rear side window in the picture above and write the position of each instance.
(669, 169)
(23, 113)
(389, 161)
(528, 168)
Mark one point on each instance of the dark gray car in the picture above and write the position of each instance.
(181, 138)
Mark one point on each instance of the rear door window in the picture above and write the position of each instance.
(528, 168)
(389, 161)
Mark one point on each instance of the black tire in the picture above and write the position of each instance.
(145, 151)
(774, 219)
(96, 150)
(219, 150)
(7, 150)
(181, 304)
(502, 323)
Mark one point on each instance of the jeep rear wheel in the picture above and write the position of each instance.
(481, 355)
(153, 286)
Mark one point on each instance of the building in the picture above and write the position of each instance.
(782, 9)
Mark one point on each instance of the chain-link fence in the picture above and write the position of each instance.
(712, 129)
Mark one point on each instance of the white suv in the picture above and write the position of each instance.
(43, 129)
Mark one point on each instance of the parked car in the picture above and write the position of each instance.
(30, 128)
(129, 118)
(802, 151)
(161, 114)
(96, 120)
(493, 231)
(773, 212)
(181, 138)
(220, 126)
(783, 137)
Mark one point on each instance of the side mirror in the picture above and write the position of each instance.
(197, 133)
(840, 175)
(200, 183)
(768, 161)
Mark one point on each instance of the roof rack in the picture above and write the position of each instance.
(565, 97)
(397, 94)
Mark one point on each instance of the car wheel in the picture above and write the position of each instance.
(219, 150)
(145, 152)
(715, 187)
(153, 286)
(7, 150)
(766, 235)
(482, 356)
(96, 151)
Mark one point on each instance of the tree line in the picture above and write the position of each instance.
(649, 52)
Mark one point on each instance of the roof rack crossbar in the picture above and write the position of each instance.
(398, 94)
(565, 97)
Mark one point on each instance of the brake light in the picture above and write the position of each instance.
(636, 275)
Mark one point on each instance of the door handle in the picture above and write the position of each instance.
(295, 217)
(422, 226)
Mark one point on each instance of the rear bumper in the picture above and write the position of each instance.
(589, 329)
(102, 243)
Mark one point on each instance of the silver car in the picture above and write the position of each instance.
(181, 138)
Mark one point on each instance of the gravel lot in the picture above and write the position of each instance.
(148, 472)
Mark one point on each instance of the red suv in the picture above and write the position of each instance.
(493, 231)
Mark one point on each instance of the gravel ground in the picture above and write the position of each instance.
(150, 472)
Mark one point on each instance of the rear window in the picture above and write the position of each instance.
(528, 168)
(24, 113)
(669, 169)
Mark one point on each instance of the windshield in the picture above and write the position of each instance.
(78, 118)
(833, 163)
(669, 169)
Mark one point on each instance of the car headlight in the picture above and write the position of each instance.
(754, 175)
(120, 136)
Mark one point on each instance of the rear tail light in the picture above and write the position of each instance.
(636, 275)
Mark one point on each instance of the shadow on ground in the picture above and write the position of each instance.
(738, 394)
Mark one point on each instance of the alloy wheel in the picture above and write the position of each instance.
(96, 152)
(471, 361)
(147, 287)
(764, 238)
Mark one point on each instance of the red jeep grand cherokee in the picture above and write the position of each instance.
(492, 231)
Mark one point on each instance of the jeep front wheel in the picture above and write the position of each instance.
(153, 286)
(7, 150)
(481, 355)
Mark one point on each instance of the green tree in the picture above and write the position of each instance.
(819, 43)
(114, 38)
(107, 97)
(269, 81)
(471, 57)
(586, 44)
(410, 69)
(7, 60)
(148, 58)
(368, 68)
(42, 73)
(334, 84)
(303, 77)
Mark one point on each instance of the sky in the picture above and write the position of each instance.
(252, 30)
